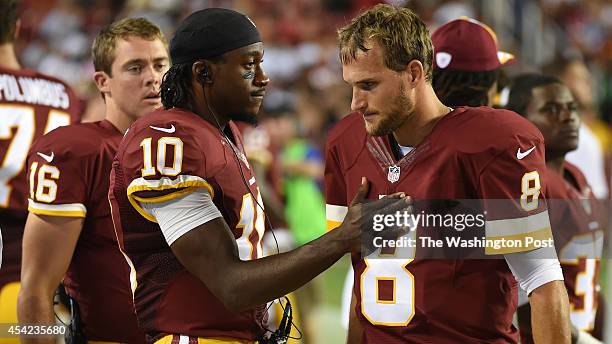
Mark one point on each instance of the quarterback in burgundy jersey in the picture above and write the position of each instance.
(74, 184)
(69, 173)
(404, 139)
(482, 168)
(31, 104)
(168, 299)
(575, 214)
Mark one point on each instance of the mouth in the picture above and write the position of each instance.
(570, 132)
(258, 94)
(152, 96)
(369, 115)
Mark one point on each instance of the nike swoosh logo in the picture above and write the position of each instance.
(520, 155)
(165, 130)
(47, 158)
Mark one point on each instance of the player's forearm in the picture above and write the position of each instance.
(259, 281)
(550, 314)
(35, 307)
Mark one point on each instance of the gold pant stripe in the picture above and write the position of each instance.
(168, 340)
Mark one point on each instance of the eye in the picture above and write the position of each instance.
(134, 69)
(368, 85)
(553, 109)
(160, 66)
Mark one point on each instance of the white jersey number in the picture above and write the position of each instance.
(251, 217)
(584, 249)
(398, 308)
(20, 119)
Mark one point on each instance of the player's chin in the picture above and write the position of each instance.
(145, 111)
(376, 129)
(249, 117)
(150, 106)
(570, 145)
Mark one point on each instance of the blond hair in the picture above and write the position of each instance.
(103, 48)
(400, 32)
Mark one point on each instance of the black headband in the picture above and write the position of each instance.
(211, 32)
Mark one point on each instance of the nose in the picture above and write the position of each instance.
(261, 78)
(568, 114)
(358, 102)
(153, 76)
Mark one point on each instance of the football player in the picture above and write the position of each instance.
(31, 104)
(185, 202)
(404, 139)
(575, 214)
(460, 77)
(69, 173)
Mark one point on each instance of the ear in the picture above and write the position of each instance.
(202, 72)
(415, 72)
(102, 81)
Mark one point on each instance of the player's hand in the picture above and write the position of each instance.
(358, 223)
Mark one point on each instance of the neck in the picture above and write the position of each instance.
(555, 162)
(120, 120)
(200, 107)
(7, 57)
(216, 119)
(426, 113)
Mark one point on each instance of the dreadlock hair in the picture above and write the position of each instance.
(176, 90)
(176, 86)
(522, 87)
(461, 88)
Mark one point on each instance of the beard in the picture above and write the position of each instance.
(391, 119)
(246, 118)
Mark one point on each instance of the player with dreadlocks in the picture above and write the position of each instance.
(462, 77)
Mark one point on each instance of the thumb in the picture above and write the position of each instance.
(362, 191)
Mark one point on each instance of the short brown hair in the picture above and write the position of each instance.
(399, 31)
(8, 20)
(103, 48)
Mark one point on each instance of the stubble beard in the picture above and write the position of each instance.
(394, 118)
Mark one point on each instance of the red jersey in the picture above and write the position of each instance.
(575, 216)
(69, 172)
(164, 155)
(31, 104)
(471, 153)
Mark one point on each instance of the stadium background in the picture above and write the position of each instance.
(306, 94)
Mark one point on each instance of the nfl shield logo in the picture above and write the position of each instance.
(394, 173)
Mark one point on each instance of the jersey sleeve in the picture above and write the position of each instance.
(160, 166)
(512, 188)
(336, 205)
(57, 173)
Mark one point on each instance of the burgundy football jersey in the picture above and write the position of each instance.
(31, 104)
(164, 155)
(69, 171)
(472, 153)
(575, 216)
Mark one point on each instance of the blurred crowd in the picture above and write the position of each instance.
(307, 94)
